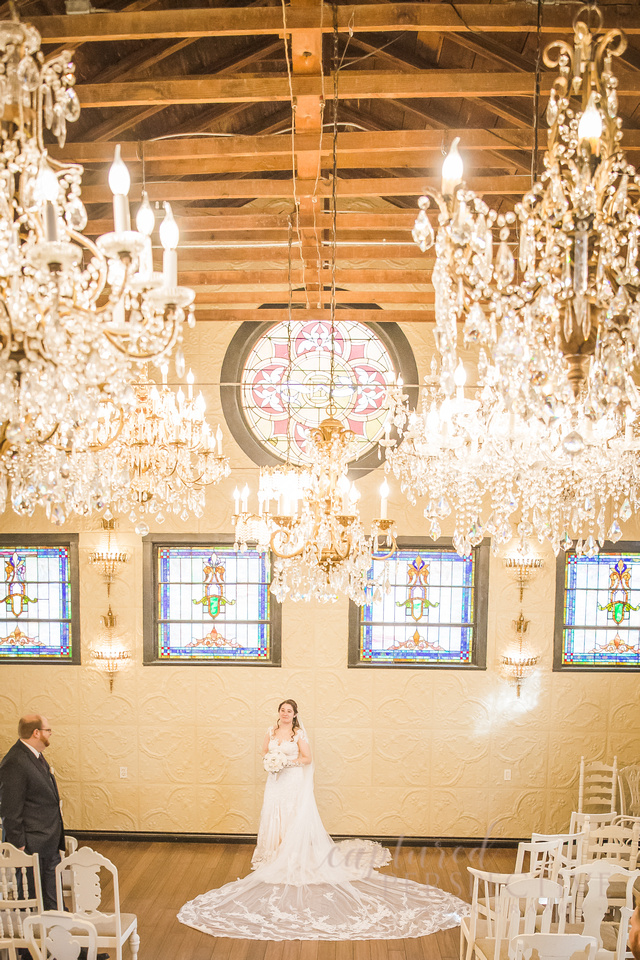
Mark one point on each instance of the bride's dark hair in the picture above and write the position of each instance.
(295, 725)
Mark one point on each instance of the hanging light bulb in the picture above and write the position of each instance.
(452, 169)
(120, 184)
(590, 126)
(145, 217)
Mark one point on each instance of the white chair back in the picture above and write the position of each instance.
(592, 907)
(16, 902)
(544, 857)
(614, 842)
(555, 946)
(629, 789)
(597, 786)
(580, 821)
(56, 935)
(572, 850)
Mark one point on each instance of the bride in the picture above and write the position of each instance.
(303, 885)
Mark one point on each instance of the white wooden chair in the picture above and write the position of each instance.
(113, 929)
(572, 853)
(555, 946)
(16, 903)
(614, 842)
(56, 935)
(597, 786)
(544, 857)
(526, 905)
(485, 896)
(594, 914)
(6, 946)
(629, 789)
(582, 821)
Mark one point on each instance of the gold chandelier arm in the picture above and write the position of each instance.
(284, 535)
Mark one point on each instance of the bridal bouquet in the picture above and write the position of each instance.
(274, 761)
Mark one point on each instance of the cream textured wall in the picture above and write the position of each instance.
(416, 753)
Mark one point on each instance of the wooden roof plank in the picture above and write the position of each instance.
(371, 18)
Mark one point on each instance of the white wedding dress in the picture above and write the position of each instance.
(306, 887)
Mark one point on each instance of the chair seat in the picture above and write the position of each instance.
(486, 947)
(106, 926)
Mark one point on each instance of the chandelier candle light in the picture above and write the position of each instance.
(551, 439)
(74, 322)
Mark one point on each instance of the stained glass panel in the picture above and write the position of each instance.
(35, 609)
(601, 611)
(428, 617)
(285, 384)
(212, 604)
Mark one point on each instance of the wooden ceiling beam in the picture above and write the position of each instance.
(377, 84)
(254, 221)
(507, 17)
(359, 279)
(221, 300)
(234, 315)
(251, 188)
(365, 143)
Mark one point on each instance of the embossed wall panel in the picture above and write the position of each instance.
(398, 752)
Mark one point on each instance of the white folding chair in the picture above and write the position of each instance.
(56, 935)
(113, 929)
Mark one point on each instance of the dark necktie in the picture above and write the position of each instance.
(44, 762)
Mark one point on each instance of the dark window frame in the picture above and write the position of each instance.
(622, 546)
(480, 617)
(69, 540)
(150, 545)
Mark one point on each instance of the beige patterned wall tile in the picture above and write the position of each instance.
(169, 698)
(101, 707)
(71, 793)
(103, 750)
(458, 759)
(462, 812)
(406, 701)
(514, 812)
(560, 804)
(114, 806)
(403, 756)
(566, 745)
(64, 753)
(162, 807)
(52, 691)
(625, 709)
(524, 755)
(341, 812)
(459, 702)
(227, 755)
(167, 756)
(344, 759)
(345, 700)
(409, 817)
(583, 699)
(624, 745)
(226, 809)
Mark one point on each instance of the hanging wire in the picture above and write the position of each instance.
(287, 377)
(334, 210)
(536, 95)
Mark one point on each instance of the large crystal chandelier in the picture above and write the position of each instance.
(165, 450)
(314, 527)
(550, 438)
(75, 317)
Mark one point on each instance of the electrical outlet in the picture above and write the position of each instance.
(507, 774)
(124, 773)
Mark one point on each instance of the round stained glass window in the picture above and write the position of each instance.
(283, 375)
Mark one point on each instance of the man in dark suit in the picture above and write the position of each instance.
(30, 802)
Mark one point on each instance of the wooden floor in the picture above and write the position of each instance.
(157, 878)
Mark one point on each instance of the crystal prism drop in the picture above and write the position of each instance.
(615, 532)
(626, 511)
(552, 109)
(566, 542)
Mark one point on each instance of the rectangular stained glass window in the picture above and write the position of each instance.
(433, 614)
(38, 600)
(212, 604)
(598, 610)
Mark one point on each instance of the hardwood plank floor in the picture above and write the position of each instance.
(157, 878)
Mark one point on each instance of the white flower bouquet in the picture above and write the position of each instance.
(274, 761)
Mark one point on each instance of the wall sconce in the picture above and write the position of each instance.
(110, 656)
(518, 661)
(109, 559)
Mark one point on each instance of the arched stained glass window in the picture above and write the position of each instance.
(276, 383)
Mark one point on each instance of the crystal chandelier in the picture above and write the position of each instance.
(314, 528)
(552, 431)
(165, 450)
(76, 316)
